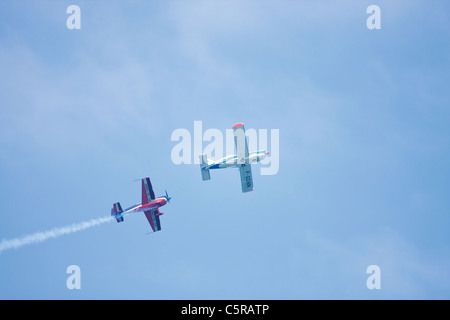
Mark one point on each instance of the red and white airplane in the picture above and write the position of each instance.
(150, 206)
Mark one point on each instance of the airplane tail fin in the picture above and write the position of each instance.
(116, 211)
(203, 169)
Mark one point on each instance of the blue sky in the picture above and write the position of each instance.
(364, 148)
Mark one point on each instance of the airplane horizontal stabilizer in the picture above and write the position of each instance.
(116, 211)
(205, 174)
(203, 167)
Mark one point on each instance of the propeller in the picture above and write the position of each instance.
(167, 197)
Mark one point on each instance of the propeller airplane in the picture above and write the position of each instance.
(242, 160)
(150, 206)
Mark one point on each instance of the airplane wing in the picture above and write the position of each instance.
(246, 177)
(147, 191)
(153, 218)
(240, 143)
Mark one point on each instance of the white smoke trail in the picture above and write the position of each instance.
(53, 233)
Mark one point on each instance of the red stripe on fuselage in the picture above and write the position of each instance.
(154, 204)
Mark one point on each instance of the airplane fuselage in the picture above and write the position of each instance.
(149, 206)
(158, 202)
(231, 161)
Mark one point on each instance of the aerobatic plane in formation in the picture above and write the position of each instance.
(242, 160)
(150, 206)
